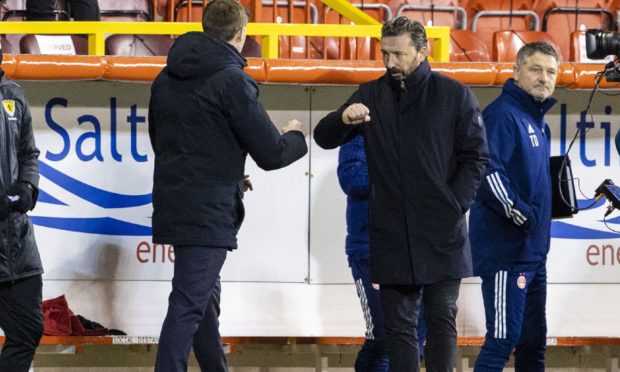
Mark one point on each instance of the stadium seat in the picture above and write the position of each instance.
(138, 45)
(126, 10)
(561, 18)
(435, 13)
(488, 16)
(466, 46)
(56, 44)
(15, 11)
(507, 43)
(354, 48)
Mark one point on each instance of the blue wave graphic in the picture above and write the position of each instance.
(102, 198)
(567, 231)
(47, 198)
(100, 226)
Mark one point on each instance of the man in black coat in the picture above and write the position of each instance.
(21, 317)
(427, 151)
(204, 118)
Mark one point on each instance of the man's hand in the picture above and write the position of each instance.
(356, 114)
(247, 184)
(293, 125)
(23, 191)
(5, 206)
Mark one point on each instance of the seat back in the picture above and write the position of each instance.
(466, 46)
(54, 44)
(507, 43)
(434, 12)
(488, 16)
(138, 45)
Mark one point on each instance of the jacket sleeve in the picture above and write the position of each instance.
(497, 191)
(471, 151)
(256, 132)
(27, 152)
(331, 131)
(353, 169)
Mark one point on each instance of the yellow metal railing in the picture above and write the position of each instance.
(270, 32)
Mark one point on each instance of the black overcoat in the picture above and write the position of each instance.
(426, 149)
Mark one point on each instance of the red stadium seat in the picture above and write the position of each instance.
(488, 16)
(466, 46)
(507, 43)
(435, 12)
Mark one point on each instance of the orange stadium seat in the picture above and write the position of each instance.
(466, 46)
(353, 48)
(435, 12)
(563, 17)
(488, 16)
(507, 43)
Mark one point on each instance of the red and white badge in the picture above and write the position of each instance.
(521, 281)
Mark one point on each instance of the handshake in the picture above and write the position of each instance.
(18, 199)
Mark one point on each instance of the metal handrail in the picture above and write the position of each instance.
(439, 8)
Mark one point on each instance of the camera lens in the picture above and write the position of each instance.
(600, 44)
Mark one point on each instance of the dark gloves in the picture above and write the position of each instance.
(5, 206)
(21, 194)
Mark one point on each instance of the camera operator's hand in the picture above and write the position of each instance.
(5, 206)
(23, 192)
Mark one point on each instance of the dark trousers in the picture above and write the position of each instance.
(193, 310)
(401, 306)
(373, 356)
(21, 319)
(515, 311)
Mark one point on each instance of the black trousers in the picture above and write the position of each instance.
(193, 311)
(401, 305)
(21, 319)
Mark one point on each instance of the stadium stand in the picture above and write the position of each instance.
(507, 43)
(488, 16)
(561, 18)
(126, 11)
(435, 13)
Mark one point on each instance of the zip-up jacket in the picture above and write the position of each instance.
(353, 178)
(204, 118)
(511, 219)
(19, 255)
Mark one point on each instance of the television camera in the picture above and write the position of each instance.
(600, 44)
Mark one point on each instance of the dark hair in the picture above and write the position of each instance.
(403, 25)
(536, 47)
(224, 18)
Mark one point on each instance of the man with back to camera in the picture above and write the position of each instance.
(426, 150)
(204, 118)
(21, 285)
(510, 222)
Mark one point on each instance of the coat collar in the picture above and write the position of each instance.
(525, 100)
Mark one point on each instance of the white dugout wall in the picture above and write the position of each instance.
(289, 276)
